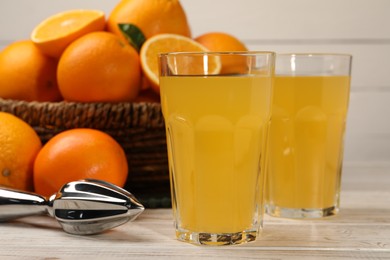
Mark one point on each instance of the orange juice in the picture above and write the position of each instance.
(306, 141)
(216, 131)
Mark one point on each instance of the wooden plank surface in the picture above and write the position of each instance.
(360, 231)
(249, 19)
(298, 19)
(368, 127)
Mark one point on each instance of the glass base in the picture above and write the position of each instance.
(219, 239)
(276, 211)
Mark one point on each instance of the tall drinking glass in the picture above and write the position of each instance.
(216, 108)
(311, 95)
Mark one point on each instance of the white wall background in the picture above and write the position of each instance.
(357, 27)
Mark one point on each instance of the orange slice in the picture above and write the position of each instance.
(55, 33)
(162, 43)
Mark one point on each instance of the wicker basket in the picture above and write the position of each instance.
(138, 127)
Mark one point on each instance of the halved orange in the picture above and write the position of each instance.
(162, 43)
(56, 32)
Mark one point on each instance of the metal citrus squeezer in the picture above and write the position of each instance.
(81, 207)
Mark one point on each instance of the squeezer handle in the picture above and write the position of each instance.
(16, 204)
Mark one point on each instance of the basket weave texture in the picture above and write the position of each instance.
(138, 127)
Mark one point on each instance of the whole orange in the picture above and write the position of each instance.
(27, 74)
(224, 42)
(150, 16)
(78, 154)
(99, 67)
(19, 145)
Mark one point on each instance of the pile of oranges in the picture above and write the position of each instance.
(84, 56)
(75, 154)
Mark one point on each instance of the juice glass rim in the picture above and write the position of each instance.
(315, 54)
(216, 53)
(313, 64)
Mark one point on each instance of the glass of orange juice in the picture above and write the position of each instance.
(217, 109)
(310, 103)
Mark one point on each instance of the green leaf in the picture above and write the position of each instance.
(133, 35)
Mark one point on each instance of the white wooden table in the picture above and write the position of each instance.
(360, 231)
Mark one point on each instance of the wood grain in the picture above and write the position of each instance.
(360, 231)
